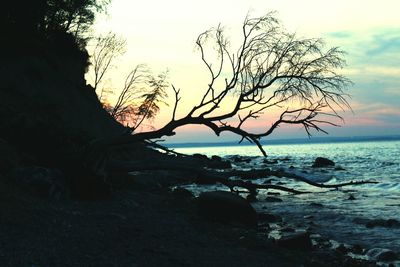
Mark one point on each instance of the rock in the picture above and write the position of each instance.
(359, 220)
(387, 256)
(342, 249)
(252, 198)
(273, 161)
(382, 254)
(351, 197)
(297, 241)
(392, 223)
(216, 162)
(357, 249)
(268, 217)
(40, 181)
(219, 164)
(322, 162)
(268, 181)
(182, 193)
(216, 158)
(317, 205)
(288, 230)
(88, 186)
(239, 159)
(200, 156)
(382, 223)
(272, 199)
(273, 194)
(226, 207)
(339, 168)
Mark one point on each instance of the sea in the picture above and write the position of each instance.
(339, 214)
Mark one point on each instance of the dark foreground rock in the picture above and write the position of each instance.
(298, 241)
(40, 181)
(381, 254)
(226, 207)
(215, 162)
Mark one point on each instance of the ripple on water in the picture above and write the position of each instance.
(377, 161)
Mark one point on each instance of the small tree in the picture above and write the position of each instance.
(271, 69)
(106, 50)
(155, 95)
(140, 97)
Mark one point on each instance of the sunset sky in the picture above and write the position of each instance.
(162, 35)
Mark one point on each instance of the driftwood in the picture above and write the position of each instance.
(209, 176)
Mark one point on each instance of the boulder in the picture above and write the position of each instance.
(298, 241)
(322, 162)
(273, 161)
(226, 207)
(215, 162)
(382, 254)
(41, 182)
(200, 156)
(87, 185)
(240, 159)
(272, 199)
(383, 223)
(182, 193)
(268, 217)
(351, 197)
(216, 158)
(219, 164)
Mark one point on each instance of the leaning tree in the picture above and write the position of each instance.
(272, 70)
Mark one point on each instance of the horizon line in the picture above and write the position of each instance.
(297, 140)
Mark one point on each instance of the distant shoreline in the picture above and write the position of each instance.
(294, 141)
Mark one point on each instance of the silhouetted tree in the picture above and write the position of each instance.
(72, 15)
(140, 97)
(25, 18)
(125, 108)
(271, 70)
(106, 50)
(155, 95)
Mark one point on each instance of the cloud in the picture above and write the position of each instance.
(386, 42)
(373, 57)
(374, 114)
(393, 91)
(372, 47)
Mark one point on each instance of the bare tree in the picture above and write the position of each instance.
(140, 97)
(152, 98)
(106, 50)
(271, 70)
(125, 108)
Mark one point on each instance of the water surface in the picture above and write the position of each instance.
(375, 160)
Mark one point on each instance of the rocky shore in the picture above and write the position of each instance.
(146, 223)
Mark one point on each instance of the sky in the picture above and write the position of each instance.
(162, 34)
